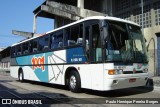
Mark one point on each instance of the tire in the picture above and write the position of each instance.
(74, 82)
(21, 76)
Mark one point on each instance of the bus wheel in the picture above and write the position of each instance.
(74, 82)
(21, 76)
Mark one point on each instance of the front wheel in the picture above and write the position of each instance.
(74, 82)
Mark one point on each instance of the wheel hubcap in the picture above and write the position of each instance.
(73, 82)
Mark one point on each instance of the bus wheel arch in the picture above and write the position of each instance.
(20, 74)
(72, 73)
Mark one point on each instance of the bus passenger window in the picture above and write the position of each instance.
(67, 34)
(80, 38)
(13, 52)
(74, 35)
(52, 41)
(25, 48)
(34, 46)
(57, 40)
(19, 50)
(30, 47)
(43, 43)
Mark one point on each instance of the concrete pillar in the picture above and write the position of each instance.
(111, 7)
(132, 18)
(80, 4)
(34, 23)
(106, 7)
(153, 18)
(56, 22)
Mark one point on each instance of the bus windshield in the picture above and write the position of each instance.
(125, 43)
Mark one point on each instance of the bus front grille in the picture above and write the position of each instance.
(131, 72)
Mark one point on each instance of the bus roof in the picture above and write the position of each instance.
(82, 20)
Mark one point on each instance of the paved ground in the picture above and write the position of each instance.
(156, 81)
(55, 95)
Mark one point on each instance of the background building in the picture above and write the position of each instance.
(5, 59)
(149, 20)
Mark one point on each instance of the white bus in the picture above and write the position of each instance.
(98, 53)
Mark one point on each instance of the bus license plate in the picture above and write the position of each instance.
(132, 80)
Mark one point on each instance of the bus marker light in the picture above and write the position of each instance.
(111, 72)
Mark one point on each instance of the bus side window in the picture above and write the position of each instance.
(74, 35)
(43, 43)
(13, 52)
(87, 40)
(52, 40)
(34, 45)
(30, 47)
(57, 40)
(25, 48)
(67, 34)
(19, 50)
(80, 37)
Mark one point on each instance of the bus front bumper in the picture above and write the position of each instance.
(125, 82)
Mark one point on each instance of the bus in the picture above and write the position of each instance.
(97, 53)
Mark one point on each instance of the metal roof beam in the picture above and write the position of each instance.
(24, 34)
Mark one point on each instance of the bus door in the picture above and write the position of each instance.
(96, 47)
(96, 66)
(93, 43)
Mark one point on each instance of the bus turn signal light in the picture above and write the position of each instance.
(111, 72)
